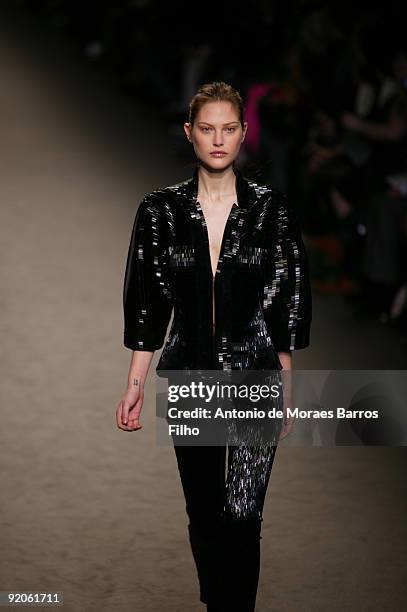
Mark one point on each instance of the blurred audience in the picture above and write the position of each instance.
(384, 273)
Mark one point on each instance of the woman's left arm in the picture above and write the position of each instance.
(286, 360)
(287, 301)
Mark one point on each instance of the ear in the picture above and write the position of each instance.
(245, 126)
(187, 130)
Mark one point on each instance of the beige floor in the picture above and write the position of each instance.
(90, 510)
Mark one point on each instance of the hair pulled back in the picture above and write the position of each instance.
(217, 91)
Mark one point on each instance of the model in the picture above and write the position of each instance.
(226, 254)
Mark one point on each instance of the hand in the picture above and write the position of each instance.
(288, 423)
(129, 409)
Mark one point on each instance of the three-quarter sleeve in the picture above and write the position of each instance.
(147, 294)
(287, 301)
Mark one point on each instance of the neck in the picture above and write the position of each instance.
(216, 184)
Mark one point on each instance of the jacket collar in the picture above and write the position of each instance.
(245, 189)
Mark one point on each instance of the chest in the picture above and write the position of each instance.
(206, 244)
(214, 219)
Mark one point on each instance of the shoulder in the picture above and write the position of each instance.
(167, 194)
(277, 209)
(155, 203)
(268, 192)
(270, 197)
(261, 190)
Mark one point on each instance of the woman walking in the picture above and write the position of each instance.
(225, 253)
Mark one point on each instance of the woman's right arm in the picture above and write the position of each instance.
(129, 408)
(147, 304)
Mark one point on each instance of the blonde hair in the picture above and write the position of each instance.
(217, 91)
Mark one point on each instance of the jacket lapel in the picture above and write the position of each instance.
(246, 196)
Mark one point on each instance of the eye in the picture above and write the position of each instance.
(203, 129)
(232, 129)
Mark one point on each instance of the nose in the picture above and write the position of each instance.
(218, 139)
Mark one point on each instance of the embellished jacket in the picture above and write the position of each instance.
(261, 287)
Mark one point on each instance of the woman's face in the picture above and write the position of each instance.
(216, 129)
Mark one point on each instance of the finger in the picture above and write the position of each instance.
(119, 418)
(134, 413)
(136, 426)
(129, 414)
(125, 411)
(134, 421)
(119, 414)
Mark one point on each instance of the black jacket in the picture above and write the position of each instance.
(261, 285)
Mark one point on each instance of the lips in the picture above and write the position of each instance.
(218, 154)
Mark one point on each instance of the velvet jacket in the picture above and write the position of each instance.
(261, 285)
